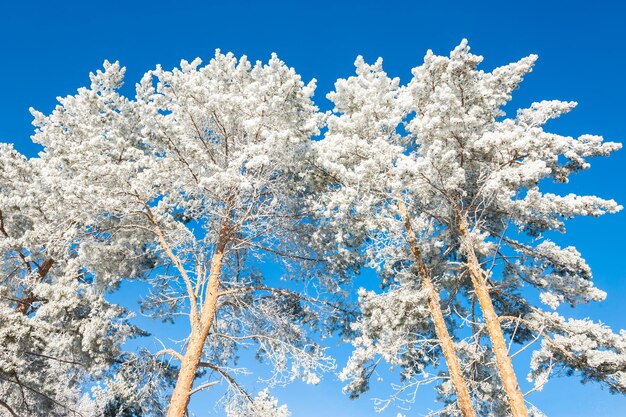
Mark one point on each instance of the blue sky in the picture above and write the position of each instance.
(48, 49)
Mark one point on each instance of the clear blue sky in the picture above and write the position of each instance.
(48, 49)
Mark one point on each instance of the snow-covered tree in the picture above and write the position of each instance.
(467, 181)
(367, 213)
(58, 332)
(479, 174)
(210, 171)
(199, 176)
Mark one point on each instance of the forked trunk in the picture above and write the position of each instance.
(199, 333)
(464, 401)
(500, 350)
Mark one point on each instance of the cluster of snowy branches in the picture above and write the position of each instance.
(211, 172)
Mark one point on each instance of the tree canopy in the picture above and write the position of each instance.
(211, 173)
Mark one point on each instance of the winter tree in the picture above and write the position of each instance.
(210, 171)
(483, 173)
(199, 178)
(365, 208)
(59, 333)
(465, 183)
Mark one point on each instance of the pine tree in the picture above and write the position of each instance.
(435, 184)
(201, 172)
(59, 333)
(366, 210)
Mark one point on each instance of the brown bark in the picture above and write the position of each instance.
(464, 401)
(500, 350)
(199, 332)
(26, 304)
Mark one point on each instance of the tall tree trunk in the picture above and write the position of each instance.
(199, 333)
(500, 350)
(445, 341)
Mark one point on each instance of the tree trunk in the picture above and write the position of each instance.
(464, 401)
(500, 350)
(199, 333)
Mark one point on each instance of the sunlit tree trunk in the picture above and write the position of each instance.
(445, 341)
(500, 350)
(199, 333)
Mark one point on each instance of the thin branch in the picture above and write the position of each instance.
(279, 253)
(193, 315)
(229, 378)
(203, 386)
(9, 409)
(42, 394)
(170, 352)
